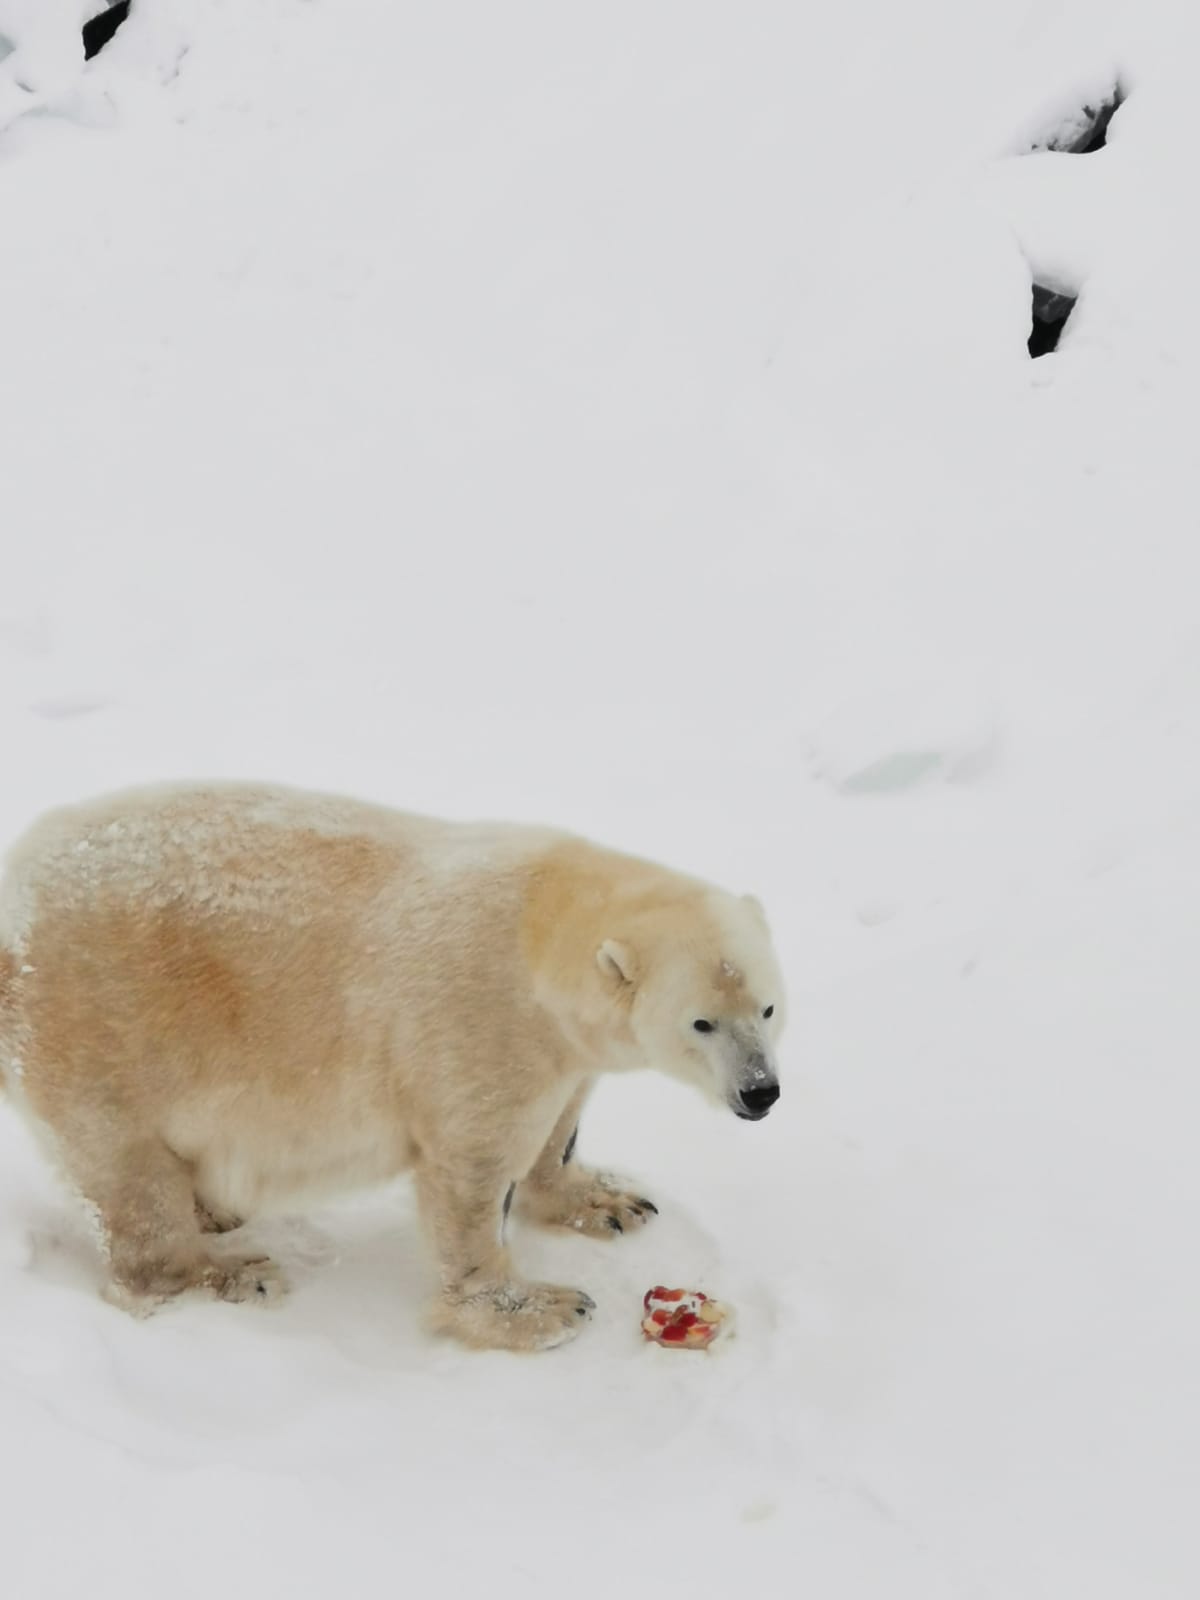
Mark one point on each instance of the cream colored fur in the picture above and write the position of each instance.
(219, 999)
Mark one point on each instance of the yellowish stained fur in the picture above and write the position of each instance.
(218, 999)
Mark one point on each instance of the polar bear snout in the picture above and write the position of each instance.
(756, 1089)
(754, 1102)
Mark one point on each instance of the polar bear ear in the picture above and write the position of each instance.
(616, 961)
(755, 905)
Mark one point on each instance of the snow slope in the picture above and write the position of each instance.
(621, 416)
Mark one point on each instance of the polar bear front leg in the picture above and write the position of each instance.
(559, 1193)
(482, 1302)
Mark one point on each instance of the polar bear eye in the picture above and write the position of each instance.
(769, 1012)
(701, 1026)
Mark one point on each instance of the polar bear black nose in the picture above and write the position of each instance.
(759, 1100)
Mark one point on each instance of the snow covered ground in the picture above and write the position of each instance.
(621, 416)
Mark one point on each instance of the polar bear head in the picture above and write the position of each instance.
(702, 997)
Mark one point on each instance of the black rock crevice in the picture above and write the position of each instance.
(1050, 312)
(100, 29)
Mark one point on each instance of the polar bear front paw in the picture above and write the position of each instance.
(141, 1288)
(245, 1278)
(514, 1316)
(588, 1202)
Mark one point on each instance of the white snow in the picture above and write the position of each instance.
(620, 416)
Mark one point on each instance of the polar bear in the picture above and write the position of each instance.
(219, 999)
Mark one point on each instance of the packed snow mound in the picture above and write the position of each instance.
(1075, 119)
(41, 52)
(44, 50)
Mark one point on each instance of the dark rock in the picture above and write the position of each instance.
(1050, 312)
(1085, 129)
(100, 29)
